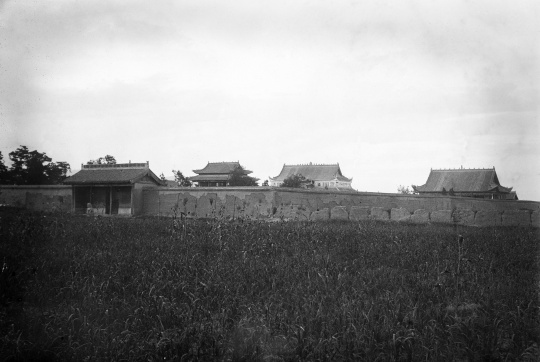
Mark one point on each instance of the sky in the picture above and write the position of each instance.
(387, 89)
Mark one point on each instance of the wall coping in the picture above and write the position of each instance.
(286, 189)
(333, 192)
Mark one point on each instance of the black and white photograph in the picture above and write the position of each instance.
(269, 180)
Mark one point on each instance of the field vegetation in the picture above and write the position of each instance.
(85, 288)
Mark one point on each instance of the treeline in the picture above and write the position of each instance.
(32, 168)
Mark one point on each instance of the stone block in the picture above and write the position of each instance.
(359, 213)
(487, 218)
(207, 206)
(420, 216)
(339, 213)
(516, 218)
(400, 214)
(233, 208)
(441, 216)
(378, 213)
(323, 214)
(463, 216)
(295, 212)
(186, 204)
(256, 206)
(535, 219)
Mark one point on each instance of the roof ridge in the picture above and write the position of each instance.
(463, 169)
(115, 165)
(313, 164)
(225, 162)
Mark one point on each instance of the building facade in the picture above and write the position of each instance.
(319, 176)
(482, 183)
(216, 174)
(110, 189)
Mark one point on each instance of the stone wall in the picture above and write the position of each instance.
(290, 204)
(41, 197)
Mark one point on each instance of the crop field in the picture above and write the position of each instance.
(81, 288)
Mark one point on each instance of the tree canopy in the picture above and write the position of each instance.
(180, 179)
(32, 168)
(3, 171)
(294, 181)
(107, 160)
(404, 190)
(239, 178)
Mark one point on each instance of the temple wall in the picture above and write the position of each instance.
(270, 203)
(40, 197)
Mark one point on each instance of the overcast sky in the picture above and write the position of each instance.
(389, 89)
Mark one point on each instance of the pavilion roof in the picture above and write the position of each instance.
(220, 168)
(463, 180)
(123, 173)
(209, 178)
(312, 172)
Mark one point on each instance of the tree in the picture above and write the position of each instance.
(180, 179)
(58, 172)
(294, 181)
(404, 190)
(265, 183)
(162, 177)
(35, 168)
(240, 178)
(107, 160)
(4, 173)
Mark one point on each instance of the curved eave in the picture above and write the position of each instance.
(342, 178)
(501, 189)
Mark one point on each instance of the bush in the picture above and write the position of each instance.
(295, 181)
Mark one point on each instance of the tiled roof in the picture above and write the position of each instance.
(312, 172)
(112, 174)
(209, 178)
(463, 180)
(220, 168)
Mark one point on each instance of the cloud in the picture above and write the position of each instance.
(368, 84)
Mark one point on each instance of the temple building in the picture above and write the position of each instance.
(480, 183)
(216, 174)
(318, 176)
(111, 189)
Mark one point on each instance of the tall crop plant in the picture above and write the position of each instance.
(81, 288)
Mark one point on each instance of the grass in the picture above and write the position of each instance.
(80, 288)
